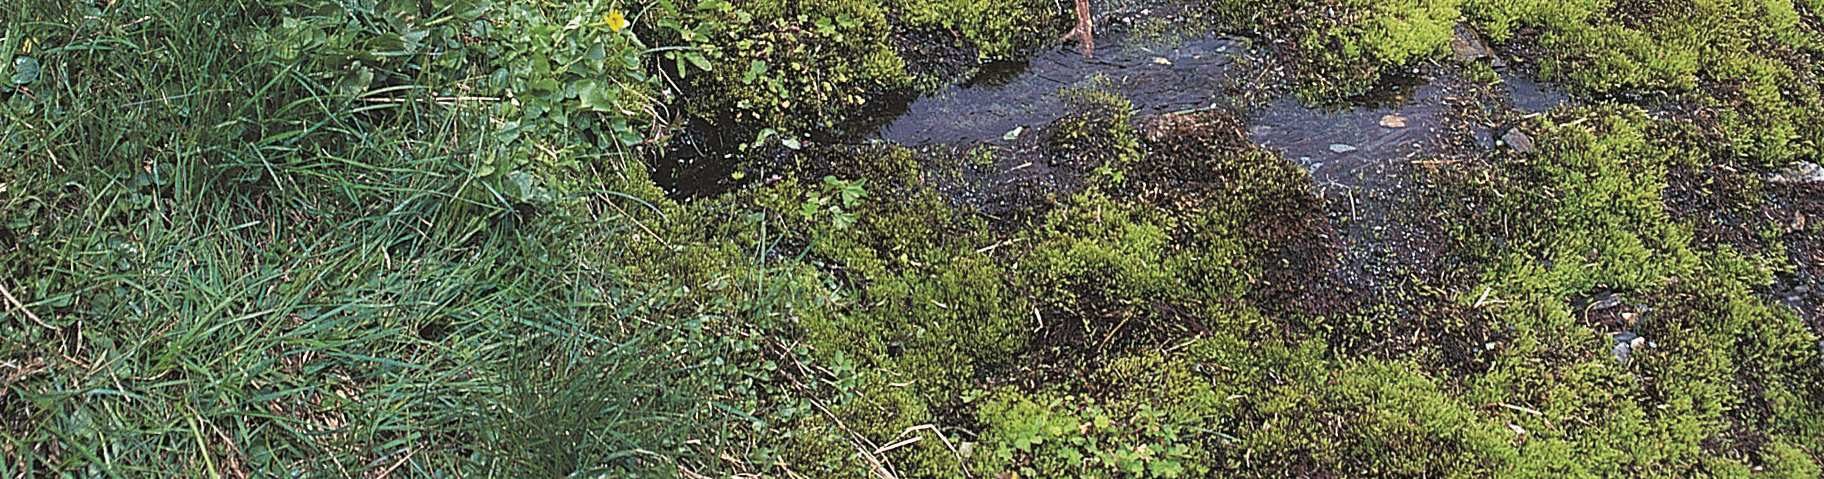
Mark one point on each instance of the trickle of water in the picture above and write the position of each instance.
(1187, 75)
(1003, 101)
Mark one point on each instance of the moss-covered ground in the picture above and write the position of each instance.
(399, 238)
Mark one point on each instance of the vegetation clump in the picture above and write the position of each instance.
(1751, 65)
(1343, 49)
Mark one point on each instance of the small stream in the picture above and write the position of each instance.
(1005, 96)
(1405, 118)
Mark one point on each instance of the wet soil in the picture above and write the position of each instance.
(1382, 167)
(1743, 210)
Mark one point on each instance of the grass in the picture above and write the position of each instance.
(243, 266)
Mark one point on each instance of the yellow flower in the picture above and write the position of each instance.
(615, 21)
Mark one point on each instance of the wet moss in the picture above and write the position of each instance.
(1167, 318)
(1584, 219)
(995, 29)
(1752, 66)
(1342, 49)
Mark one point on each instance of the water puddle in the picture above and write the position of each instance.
(1409, 116)
(1189, 75)
(1399, 120)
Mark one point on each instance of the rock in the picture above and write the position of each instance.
(1469, 47)
(1801, 172)
(1623, 352)
(1161, 61)
(1340, 148)
(1393, 121)
(1013, 134)
(1627, 343)
(1519, 141)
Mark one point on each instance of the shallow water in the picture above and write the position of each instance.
(1188, 75)
(1404, 118)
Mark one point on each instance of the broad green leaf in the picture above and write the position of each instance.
(25, 70)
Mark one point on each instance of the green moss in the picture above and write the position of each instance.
(1099, 133)
(1755, 62)
(996, 29)
(1343, 48)
(1591, 220)
(801, 65)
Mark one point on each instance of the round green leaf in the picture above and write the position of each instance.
(25, 70)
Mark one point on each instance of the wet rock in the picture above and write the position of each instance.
(1627, 344)
(1341, 148)
(1393, 121)
(1469, 47)
(1623, 352)
(1519, 141)
(1801, 172)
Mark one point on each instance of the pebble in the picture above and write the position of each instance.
(1622, 352)
(1340, 148)
(1468, 46)
(1013, 134)
(1393, 121)
(1626, 343)
(1519, 141)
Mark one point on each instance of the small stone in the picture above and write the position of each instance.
(1393, 121)
(1627, 343)
(1340, 148)
(1469, 47)
(1161, 61)
(1622, 352)
(1801, 172)
(1519, 141)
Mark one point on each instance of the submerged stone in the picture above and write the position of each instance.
(1341, 148)
(1519, 141)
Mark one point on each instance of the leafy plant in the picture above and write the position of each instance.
(836, 201)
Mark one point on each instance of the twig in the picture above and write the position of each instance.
(878, 467)
(940, 437)
(992, 247)
(28, 313)
(442, 99)
(389, 470)
(1523, 409)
